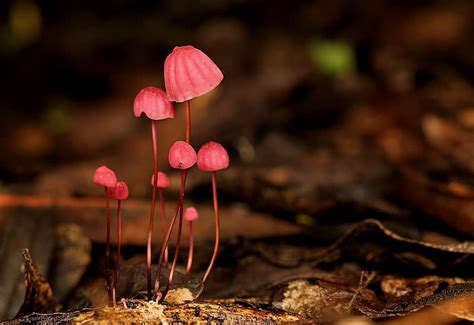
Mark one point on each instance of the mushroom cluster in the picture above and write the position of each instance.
(188, 73)
(116, 190)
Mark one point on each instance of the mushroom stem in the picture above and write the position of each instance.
(119, 241)
(163, 216)
(188, 121)
(176, 251)
(191, 248)
(179, 209)
(152, 209)
(216, 215)
(179, 205)
(107, 247)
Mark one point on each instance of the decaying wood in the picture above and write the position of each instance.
(137, 311)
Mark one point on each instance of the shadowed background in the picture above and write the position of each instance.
(332, 111)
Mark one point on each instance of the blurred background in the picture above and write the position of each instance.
(292, 70)
(330, 108)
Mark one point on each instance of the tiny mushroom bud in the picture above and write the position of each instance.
(163, 180)
(119, 192)
(190, 73)
(153, 103)
(212, 157)
(104, 176)
(182, 155)
(190, 214)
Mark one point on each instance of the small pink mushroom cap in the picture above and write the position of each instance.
(104, 176)
(190, 73)
(119, 192)
(190, 214)
(163, 180)
(182, 155)
(212, 157)
(153, 102)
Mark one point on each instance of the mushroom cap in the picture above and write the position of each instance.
(119, 192)
(154, 103)
(212, 157)
(163, 180)
(190, 214)
(190, 73)
(104, 176)
(182, 155)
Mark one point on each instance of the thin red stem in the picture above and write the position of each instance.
(176, 251)
(216, 214)
(179, 209)
(119, 241)
(165, 222)
(188, 121)
(152, 209)
(107, 247)
(191, 248)
(179, 205)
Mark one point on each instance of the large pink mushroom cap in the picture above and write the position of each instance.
(182, 155)
(190, 214)
(119, 192)
(190, 73)
(212, 157)
(163, 180)
(105, 176)
(154, 103)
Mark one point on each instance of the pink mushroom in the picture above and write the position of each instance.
(181, 156)
(210, 158)
(189, 73)
(162, 183)
(104, 176)
(190, 215)
(152, 102)
(119, 193)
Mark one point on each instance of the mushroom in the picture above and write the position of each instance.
(154, 103)
(119, 193)
(210, 158)
(181, 156)
(189, 73)
(104, 176)
(190, 215)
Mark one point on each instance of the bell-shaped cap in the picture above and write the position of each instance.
(190, 73)
(182, 155)
(163, 180)
(119, 192)
(105, 176)
(190, 214)
(212, 157)
(154, 103)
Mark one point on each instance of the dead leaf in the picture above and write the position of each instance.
(39, 296)
(372, 236)
(448, 197)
